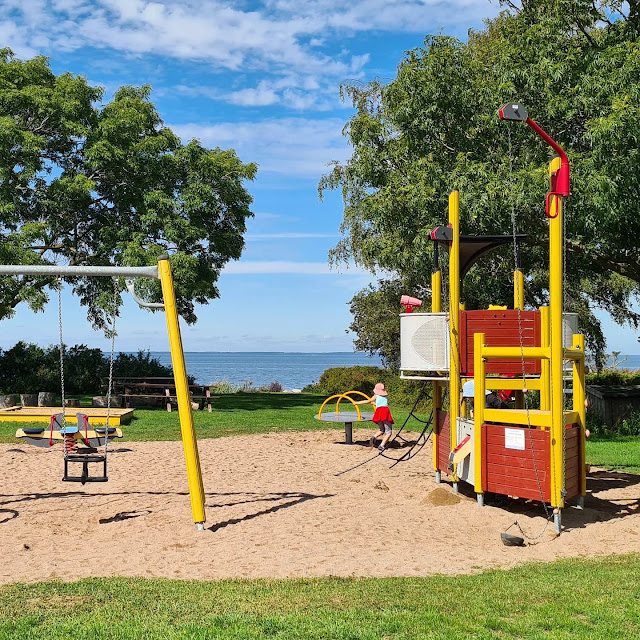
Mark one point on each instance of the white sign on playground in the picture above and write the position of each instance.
(514, 439)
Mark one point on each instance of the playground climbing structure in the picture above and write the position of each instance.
(511, 449)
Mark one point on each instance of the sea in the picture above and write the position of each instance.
(291, 370)
(631, 362)
(261, 368)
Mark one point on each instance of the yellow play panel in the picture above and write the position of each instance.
(43, 414)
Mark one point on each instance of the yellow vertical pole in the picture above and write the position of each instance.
(556, 277)
(518, 290)
(479, 399)
(436, 291)
(454, 316)
(579, 395)
(436, 307)
(545, 340)
(189, 440)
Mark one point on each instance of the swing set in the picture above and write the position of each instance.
(81, 441)
(513, 450)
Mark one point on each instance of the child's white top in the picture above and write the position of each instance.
(382, 401)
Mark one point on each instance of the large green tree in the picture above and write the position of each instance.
(88, 184)
(575, 65)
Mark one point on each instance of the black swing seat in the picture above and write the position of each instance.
(104, 430)
(85, 458)
(32, 430)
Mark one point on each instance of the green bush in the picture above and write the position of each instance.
(224, 386)
(630, 426)
(360, 378)
(341, 379)
(624, 377)
(140, 365)
(84, 369)
(28, 368)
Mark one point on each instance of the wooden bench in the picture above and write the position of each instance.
(166, 393)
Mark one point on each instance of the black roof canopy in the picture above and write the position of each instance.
(473, 247)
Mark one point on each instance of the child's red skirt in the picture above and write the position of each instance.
(382, 414)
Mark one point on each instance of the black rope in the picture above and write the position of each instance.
(422, 439)
(423, 393)
(355, 466)
(407, 455)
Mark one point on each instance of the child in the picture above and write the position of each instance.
(382, 416)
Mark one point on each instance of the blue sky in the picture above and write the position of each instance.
(262, 78)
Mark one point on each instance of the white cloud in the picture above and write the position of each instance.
(293, 91)
(261, 96)
(292, 146)
(274, 36)
(11, 35)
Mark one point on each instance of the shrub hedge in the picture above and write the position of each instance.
(29, 368)
(363, 378)
(624, 377)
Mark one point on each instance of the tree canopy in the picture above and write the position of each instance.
(575, 65)
(88, 184)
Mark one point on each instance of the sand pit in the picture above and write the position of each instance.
(276, 508)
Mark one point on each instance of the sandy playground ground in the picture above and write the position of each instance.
(278, 506)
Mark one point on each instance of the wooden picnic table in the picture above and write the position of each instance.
(139, 388)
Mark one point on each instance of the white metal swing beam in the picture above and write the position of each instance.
(161, 272)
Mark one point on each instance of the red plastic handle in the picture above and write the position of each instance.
(548, 207)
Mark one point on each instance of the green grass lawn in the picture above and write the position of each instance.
(233, 414)
(596, 598)
(566, 600)
(620, 452)
(253, 413)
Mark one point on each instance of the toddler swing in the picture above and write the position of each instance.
(72, 435)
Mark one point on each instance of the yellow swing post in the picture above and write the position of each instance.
(189, 440)
(454, 323)
(556, 303)
(436, 307)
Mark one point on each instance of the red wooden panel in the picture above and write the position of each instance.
(523, 487)
(533, 438)
(443, 440)
(515, 472)
(527, 494)
(520, 463)
(502, 329)
(527, 473)
(573, 449)
(573, 461)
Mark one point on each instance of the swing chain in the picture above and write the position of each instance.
(519, 304)
(111, 360)
(61, 353)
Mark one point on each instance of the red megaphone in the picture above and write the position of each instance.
(409, 303)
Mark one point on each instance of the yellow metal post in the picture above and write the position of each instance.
(479, 399)
(579, 396)
(436, 307)
(518, 290)
(189, 440)
(556, 277)
(454, 316)
(436, 291)
(545, 340)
